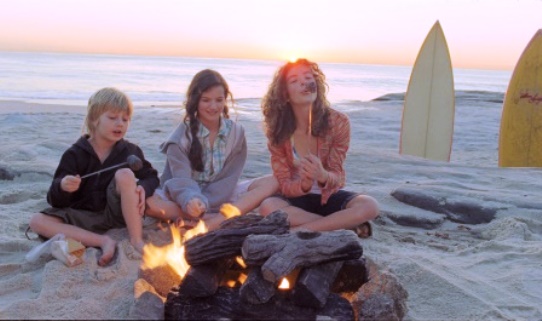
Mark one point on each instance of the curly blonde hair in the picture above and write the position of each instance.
(279, 119)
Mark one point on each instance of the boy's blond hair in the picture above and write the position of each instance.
(106, 99)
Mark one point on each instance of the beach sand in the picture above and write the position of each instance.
(451, 268)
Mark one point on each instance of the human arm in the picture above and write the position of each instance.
(180, 186)
(284, 170)
(65, 181)
(147, 176)
(338, 144)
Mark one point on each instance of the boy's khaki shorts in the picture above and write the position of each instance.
(97, 222)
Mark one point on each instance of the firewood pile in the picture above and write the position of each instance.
(320, 266)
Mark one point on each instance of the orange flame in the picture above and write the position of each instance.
(229, 210)
(171, 254)
(284, 284)
(241, 262)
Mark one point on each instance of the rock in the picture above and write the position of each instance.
(382, 298)
(465, 211)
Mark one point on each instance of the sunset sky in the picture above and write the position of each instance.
(488, 34)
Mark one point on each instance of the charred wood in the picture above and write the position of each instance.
(227, 304)
(226, 241)
(281, 254)
(314, 284)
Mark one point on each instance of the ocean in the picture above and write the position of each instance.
(69, 79)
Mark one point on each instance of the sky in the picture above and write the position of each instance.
(481, 34)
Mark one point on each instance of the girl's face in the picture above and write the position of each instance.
(111, 126)
(211, 106)
(297, 80)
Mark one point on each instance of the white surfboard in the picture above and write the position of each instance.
(427, 126)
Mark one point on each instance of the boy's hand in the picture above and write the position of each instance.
(195, 207)
(141, 199)
(70, 183)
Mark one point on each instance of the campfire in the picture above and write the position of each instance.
(253, 268)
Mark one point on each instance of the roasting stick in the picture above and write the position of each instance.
(311, 87)
(133, 162)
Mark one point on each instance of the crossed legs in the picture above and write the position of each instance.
(257, 191)
(360, 209)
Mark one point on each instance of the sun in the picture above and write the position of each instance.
(293, 58)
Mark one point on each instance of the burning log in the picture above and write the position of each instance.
(283, 253)
(314, 284)
(226, 304)
(351, 277)
(256, 289)
(226, 241)
(203, 280)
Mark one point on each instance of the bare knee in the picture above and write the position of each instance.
(268, 181)
(271, 204)
(124, 177)
(39, 221)
(368, 207)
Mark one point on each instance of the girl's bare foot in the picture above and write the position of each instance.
(108, 251)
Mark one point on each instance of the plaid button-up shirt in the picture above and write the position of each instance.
(213, 156)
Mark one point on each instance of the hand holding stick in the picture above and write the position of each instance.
(132, 161)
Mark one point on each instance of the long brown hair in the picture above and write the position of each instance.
(278, 115)
(202, 81)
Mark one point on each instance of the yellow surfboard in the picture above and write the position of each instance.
(520, 139)
(427, 126)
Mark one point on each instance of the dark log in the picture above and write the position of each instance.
(256, 289)
(226, 304)
(352, 275)
(314, 284)
(226, 241)
(203, 280)
(283, 253)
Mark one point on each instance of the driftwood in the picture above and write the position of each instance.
(227, 305)
(226, 241)
(352, 275)
(203, 280)
(314, 284)
(281, 254)
(256, 289)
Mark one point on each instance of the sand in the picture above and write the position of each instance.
(452, 269)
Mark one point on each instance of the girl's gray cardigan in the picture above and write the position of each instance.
(177, 182)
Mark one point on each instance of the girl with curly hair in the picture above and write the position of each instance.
(308, 141)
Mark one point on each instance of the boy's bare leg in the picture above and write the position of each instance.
(126, 187)
(49, 226)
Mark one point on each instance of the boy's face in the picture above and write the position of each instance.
(112, 126)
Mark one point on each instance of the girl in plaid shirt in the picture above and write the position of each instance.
(206, 154)
(308, 141)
